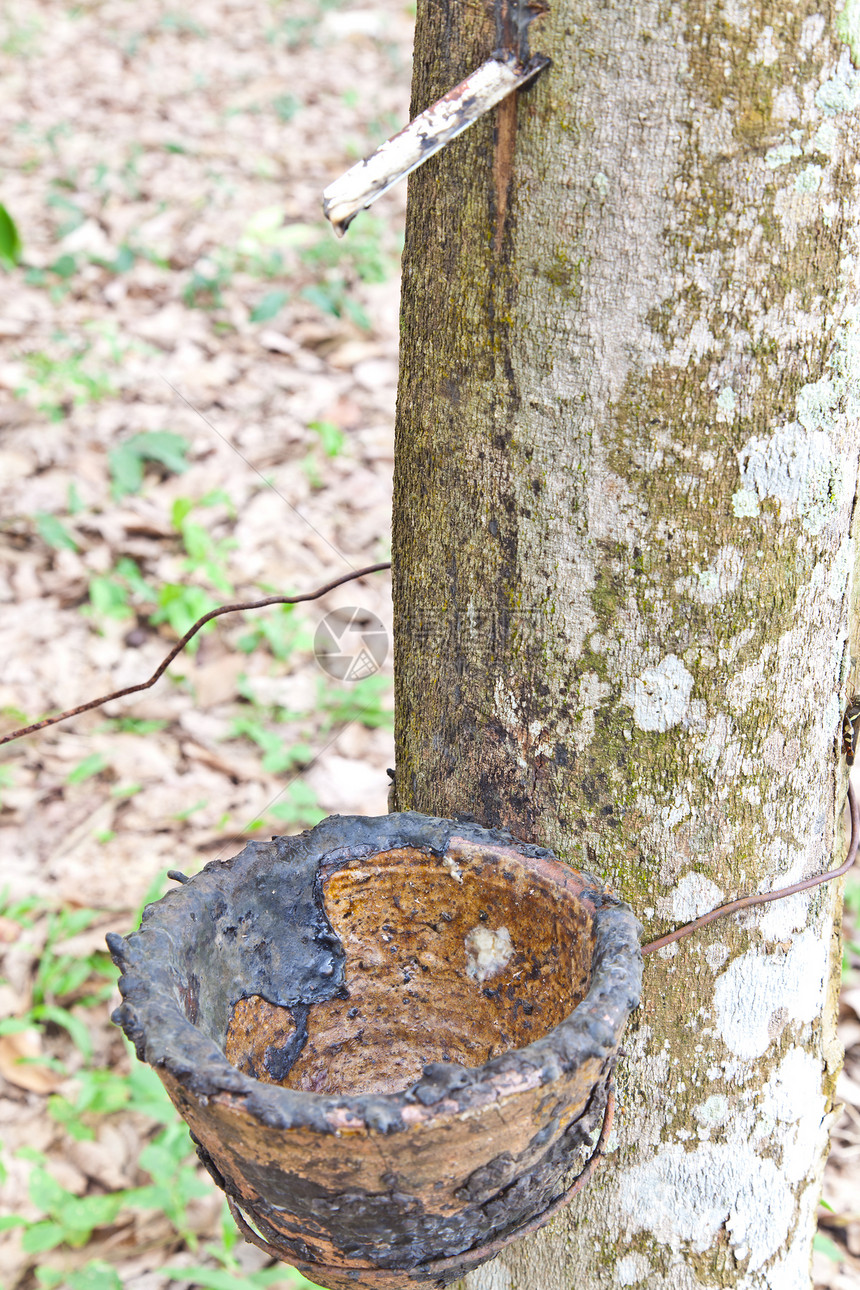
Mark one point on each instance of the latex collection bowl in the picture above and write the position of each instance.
(389, 1036)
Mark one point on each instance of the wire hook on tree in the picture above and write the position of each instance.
(722, 911)
(180, 646)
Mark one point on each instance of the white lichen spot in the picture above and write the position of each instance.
(709, 586)
(786, 107)
(766, 51)
(781, 155)
(727, 402)
(809, 180)
(842, 92)
(686, 1198)
(825, 137)
(716, 955)
(661, 695)
(780, 754)
(694, 895)
(838, 581)
(714, 1111)
(508, 712)
(758, 993)
(487, 952)
(811, 32)
(793, 1096)
(632, 1270)
(797, 467)
(782, 917)
(592, 692)
(745, 504)
(736, 12)
(815, 403)
(601, 183)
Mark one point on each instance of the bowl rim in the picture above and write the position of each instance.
(153, 1019)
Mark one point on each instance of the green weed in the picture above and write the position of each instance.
(286, 107)
(282, 630)
(361, 702)
(55, 385)
(86, 769)
(64, 1220)
(54, 533)
(269, 306)
(298, 806)
(62, 980)
(114, 594)
(124, 591)
(332, 438)
(128, 460)
(94, 1275)
(133, 725)
(205, 555)
(10, 240)
(180, 606)
(69, 215)
(278, 754)
(209, 277)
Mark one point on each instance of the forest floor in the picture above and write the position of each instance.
(197, 388)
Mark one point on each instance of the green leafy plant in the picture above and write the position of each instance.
(86, 769)
(98, 1092)
(55, 384)
(69, 215)
(128, 460)
(827, 1246)
(270, 305)
(283, 630)
(332, 438)
(361, 702)
(54, 532)
(62, 979)
(10, 240)
(286, 107)
(180, 606)
(94, 1275)
(175, 1179)
(278, 754)
(299, 806)
(209, 277)
(114, 594)
(133, 725)
(205, 554)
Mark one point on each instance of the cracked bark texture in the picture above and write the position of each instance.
(625, 567)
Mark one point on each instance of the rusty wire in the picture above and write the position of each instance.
(180, 646)
(746, 902)
(733, 906)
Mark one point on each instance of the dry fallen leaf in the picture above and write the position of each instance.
(19, 1063)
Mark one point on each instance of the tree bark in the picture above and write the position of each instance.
(627, 451)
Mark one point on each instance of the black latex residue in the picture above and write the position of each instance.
(256, 925)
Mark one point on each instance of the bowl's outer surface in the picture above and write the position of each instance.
(369, 1188)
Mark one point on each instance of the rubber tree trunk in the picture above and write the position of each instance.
(627, 452)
